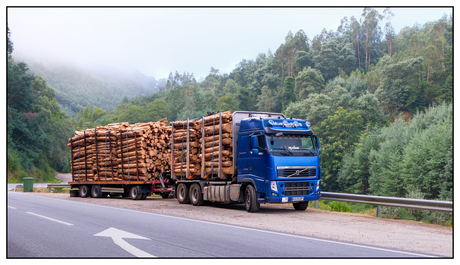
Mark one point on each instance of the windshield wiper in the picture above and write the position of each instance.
(309, 151)
(287, 149)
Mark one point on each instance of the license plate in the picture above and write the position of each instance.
(297, 199)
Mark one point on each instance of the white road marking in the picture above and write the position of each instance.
(49, 218)
(117, 237)
(11, 207)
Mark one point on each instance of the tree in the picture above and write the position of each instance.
(337, 135)
(287, 92)
(354, 172)
(396, 79)
(225, 103)
(308, 81)
(265, 101)
(157, 110)
(370, 19)
(87, 119)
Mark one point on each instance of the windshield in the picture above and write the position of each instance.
(292, 144)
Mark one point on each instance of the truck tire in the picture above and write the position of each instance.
(144, 195)
(83, 190)
(134, 193)
(96, 191)
(250, 199)
(300, 206)
(182, 193)
(196, 196)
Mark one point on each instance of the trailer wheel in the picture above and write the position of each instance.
(134, 193)
(96, 191)
(300, 206)
(83, 191)
(182, 193)
(250, 199)
(144, 196)
(196, 197)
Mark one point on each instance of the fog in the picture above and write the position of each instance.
(157, 41)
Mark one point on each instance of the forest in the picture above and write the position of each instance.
(381, 103)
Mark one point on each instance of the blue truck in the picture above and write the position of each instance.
(274, 160)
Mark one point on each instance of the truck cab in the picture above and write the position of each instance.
(279, 157)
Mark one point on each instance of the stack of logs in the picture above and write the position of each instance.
(211, 145)
(210, 164)
(180, 148)
(121, 152)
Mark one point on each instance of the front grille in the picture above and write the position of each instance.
(298, 188)
(296, 172)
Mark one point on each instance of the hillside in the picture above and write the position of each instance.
(77, 87)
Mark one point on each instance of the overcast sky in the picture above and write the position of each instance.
(157, 41)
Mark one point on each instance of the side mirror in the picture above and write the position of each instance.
(254, 144)
(319, 152)
(317, 142)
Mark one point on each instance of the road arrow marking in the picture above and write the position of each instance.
(117, 237)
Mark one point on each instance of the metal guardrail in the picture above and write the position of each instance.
(50, 186)
(443, 206)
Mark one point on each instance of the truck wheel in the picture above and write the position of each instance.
(144, 195)
(96, 191)
(196, 197)
(134, 193)
(250, 199)
(182, 193)
(300, 206)
(84, 191)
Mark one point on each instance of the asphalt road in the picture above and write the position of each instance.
(41, 226)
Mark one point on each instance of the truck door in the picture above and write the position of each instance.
(250, 164)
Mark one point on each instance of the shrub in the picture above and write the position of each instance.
(340, 206)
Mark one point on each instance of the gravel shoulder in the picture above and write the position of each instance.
(356, 228)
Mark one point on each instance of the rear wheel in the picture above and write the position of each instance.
(182, 193)
(134, 193)
(250, 199)
(300, 206)
(83, 191)
(144, 196)
(96, 191)
(196, 197)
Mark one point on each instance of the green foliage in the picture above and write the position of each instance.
(337, 135)
(308, 81)
(339, 206)
(87, 119)
(37, 128)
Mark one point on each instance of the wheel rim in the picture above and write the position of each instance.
(95, 191)
(181, 192)
(194, 194)
(134, 192)
(248, 198)
(84, 190)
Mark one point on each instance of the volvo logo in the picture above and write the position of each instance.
(297, 172)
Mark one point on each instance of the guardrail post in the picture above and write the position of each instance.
(378, 210)
(316, 204)
(49, 189)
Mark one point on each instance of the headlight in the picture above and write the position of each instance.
(273, 185)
